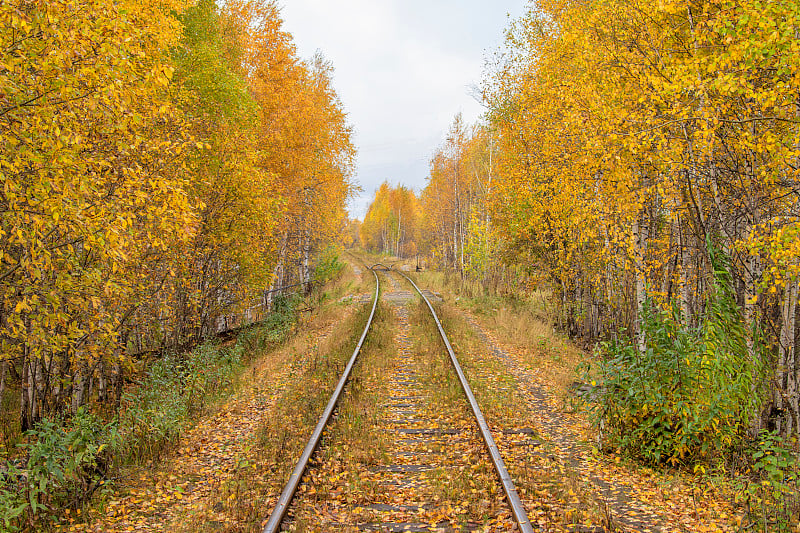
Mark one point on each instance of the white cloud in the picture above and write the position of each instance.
(403, 69)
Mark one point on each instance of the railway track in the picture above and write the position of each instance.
(431, 449)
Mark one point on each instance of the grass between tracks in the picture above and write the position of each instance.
(461, 488)
(475, 486)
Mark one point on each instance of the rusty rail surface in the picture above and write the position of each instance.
(287, 494)
(508, 485)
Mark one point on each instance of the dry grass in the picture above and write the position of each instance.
(469, 485)
(317, 360)
(229, 476)
(524, 332)
(460, 485)
(357, 413)
(493, 386)
(522, 324)
(347, 282)
(354, 441)
(433, 280)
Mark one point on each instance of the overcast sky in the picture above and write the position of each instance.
(403, 69)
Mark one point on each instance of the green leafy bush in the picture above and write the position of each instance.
(282, 317)
(66, 460)
(770, 490)
(64, 463)
(173, 391)
(690, 393)
(328, 265)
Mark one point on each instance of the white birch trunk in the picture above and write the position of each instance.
(102, 381)
(305, 272)
(24, 399)
(455, 244)
(751, 277)
(77, 389)
(787, 359)
(399, 225)
(686, 265)
(33, 373)
(640, 235)
(277, 272)
(3, 371)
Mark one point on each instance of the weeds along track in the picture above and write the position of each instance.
(409, 449)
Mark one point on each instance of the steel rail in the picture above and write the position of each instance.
(286, 496)
(508, 485)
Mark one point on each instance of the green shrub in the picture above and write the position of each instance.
(282, 316)
(174, 390)
(328, 265)
(690, 394)
(154, 413)
(65, 462)
(770, 489)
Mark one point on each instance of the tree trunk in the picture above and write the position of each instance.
(118, 384)
(80, 391)
(33, 403)
(3, 371)
(686, 265)
(38, 385)
(26, 421)
(277, 272)
(640, 236)
(305, 272)
(102, 382)
(399, 225)
(787, 361)
(455, 244)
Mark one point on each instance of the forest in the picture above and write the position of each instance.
(165, 165)
(640, 162)
(171, 167)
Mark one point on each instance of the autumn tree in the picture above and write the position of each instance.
(457, 220)
(635, 142)
(91, 162)
(157, 157)
(640, 160)
(304, 141)
(391, 224)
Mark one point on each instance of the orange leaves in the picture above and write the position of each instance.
(618, 114)
(456, 225)
(300, 138)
